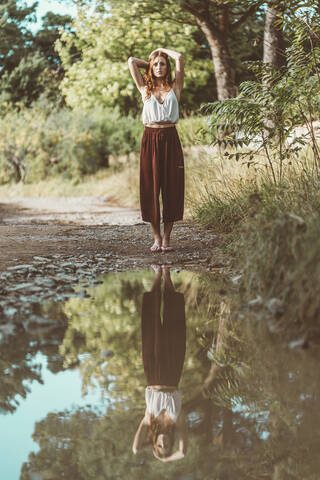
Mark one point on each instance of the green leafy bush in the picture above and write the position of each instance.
(41, 142)
(37, 143)
(192, 130)
(260, 125)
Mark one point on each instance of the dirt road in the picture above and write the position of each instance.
(67, 228)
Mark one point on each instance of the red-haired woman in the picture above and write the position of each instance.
(163, 352)
(161, 157)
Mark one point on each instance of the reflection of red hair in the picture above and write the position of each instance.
(148, 77)
(161, 425)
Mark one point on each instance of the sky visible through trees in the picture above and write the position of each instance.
(62, 8)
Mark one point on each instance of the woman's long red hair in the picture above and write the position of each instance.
(148, 77)
(161, 425)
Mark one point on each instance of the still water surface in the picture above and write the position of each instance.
(73, 396)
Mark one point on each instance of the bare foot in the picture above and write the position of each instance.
(165, 246)
(156, 268)
(156, 247)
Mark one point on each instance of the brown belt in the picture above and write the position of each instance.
(160, 125)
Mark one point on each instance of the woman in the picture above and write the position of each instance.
(163, 352)
(161, 157)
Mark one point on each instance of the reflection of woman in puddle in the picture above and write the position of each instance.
(163, 351)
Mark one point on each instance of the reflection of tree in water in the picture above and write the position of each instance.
(250, 411)
(18, 368)
(82, 444)
(103, 336)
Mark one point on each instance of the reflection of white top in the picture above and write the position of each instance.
(157, 401)
(156, 112)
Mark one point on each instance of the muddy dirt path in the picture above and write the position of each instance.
(66, 229)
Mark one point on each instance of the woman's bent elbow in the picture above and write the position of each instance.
(130, 60)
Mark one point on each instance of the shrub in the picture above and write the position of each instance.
(36, 143)
(192, 130)
(259, 126)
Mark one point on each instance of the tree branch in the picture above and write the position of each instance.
(251, 11)
(202, 16)
(224, 22)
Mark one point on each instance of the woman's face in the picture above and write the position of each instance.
(159, 67)
(163, 444)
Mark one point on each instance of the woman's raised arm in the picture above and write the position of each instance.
(134, 65)
(140, 438)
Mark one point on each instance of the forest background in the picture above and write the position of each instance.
(70, 123)
(67, 99)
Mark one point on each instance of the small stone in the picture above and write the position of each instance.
(7, 328)
(20, 286)
(62, 277)
(41, 259)
(300, 343)
(236, 279)
(10, 311)
(45, 282)
(20, 267)
(255, 302)
(67, 264)
(275, 306)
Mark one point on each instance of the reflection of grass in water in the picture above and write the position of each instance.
(273, 394)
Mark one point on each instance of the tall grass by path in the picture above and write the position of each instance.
(273, 234)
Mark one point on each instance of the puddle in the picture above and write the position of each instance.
(239, 403)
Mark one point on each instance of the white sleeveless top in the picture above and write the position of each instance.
(156, 112)
(157, 401)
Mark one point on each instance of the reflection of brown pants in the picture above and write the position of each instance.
(161, 168)
(163, 344)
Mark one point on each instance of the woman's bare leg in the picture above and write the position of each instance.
(168, 285)
(166, 236)
(157, 278)
(156, 247)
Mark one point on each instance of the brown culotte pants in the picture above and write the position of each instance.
(163, 342)
(161, 168)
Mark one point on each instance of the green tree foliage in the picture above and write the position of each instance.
(113, 31)
(101, 76)
(266, 113)
(14, 34)
(29, 64)
(217, 21)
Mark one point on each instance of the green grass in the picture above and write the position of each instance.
(273, 234)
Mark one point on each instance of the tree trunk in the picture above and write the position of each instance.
(16, 168)
(273, 42)
(222, 61)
